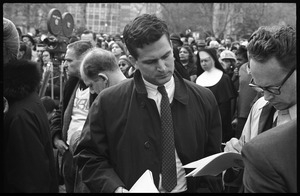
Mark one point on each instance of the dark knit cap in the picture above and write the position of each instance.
(48, 103)
(175, 37)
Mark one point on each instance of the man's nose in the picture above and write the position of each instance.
(161, 65)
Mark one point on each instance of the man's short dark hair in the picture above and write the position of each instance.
(80, 47)
(144, 30)
(242, 51)
(274, 41)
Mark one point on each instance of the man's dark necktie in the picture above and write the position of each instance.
(266, 118)
(169, 175)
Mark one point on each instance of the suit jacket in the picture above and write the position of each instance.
(121, 138)
(271, 161)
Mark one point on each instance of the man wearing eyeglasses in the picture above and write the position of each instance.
(272, 60)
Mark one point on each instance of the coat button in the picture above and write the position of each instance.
(147, 144)
(143, 104)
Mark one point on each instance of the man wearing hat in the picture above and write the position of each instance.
(176, 41)
(228, 61)
(28, 39)
(201, 44)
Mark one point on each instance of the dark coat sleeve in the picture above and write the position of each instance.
(271, 161)
(92, 151)
(29, 160)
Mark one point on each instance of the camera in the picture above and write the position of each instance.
(60, 29)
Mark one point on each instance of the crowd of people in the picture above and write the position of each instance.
(151, 100)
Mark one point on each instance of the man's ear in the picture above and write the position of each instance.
(105, 79)
(103, 76)
(133, 61)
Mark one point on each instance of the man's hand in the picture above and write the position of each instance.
(234, 123)
(60, 145)
(233, 145)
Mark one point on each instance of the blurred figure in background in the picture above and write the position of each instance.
(89, 36)
(228, 61)
(28, 39)
(177, 43)
(118, 49)
(49, 105)
(188, 61)
(214, 44)
(24, 52)
(246, 95)
(125, 65)
(11, 45)
(11, 42)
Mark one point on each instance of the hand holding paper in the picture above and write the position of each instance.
(215, 164)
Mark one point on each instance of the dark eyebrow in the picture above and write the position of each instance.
(163, 56)
(167, 54)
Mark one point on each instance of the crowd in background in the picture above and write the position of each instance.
(219, 65)
(188, 63)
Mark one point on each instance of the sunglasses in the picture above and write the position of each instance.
(271, 89)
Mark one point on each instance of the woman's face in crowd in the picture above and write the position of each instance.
(116, 50)
(46, 57)
(206, 61)
(183, 54)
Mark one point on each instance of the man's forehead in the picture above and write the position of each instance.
(161, 48)
(70, 52)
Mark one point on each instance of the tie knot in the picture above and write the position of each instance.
(162, 90)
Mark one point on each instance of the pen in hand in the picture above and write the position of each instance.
(242, 140)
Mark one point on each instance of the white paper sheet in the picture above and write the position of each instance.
(145, 184)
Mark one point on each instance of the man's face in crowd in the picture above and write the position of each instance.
(156, 62)
(27, 41)
(240, 60)
(72, 63)
(227, 41)
(269, 74)
(88, 37)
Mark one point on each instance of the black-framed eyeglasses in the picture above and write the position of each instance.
(271, 89)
